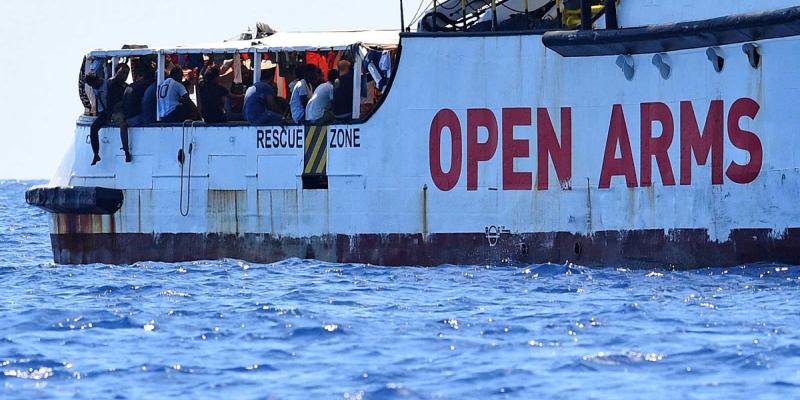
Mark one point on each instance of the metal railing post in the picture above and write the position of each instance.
(611, 15)
(435, 18)
(357, 66)
(494, 15)
(256, 67)
(586, 14)
(402, 18)
(464, 14)
(114, 65)
(159, 80)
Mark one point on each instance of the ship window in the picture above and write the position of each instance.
(364, 74)
(377, 70)
(106, 68)
(232, 74)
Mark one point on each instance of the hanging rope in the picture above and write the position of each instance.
(182, 161)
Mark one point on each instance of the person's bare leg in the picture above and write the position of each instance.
(123, 136)
(94, 137)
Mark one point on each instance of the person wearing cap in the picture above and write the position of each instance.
(259, 101)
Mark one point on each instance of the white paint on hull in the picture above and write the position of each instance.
(377, 188)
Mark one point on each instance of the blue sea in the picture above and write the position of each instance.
(304, 329)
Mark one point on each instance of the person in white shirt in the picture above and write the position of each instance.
(173, 97)
(321, 103)
(301, 92)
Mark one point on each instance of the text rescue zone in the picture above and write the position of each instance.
(292, 138)
(703, 145)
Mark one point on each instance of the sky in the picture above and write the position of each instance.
(42, 43)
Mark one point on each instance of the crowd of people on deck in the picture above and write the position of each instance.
(210, 94)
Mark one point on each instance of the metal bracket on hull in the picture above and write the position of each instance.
(753, 52)
(628, 66)
(716, 57)
(664, 64)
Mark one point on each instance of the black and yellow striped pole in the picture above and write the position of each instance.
(315, 160)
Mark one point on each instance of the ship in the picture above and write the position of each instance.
(640, 134)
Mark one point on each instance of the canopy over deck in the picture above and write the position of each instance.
(280, 41)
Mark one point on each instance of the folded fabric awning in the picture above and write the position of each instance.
(280, 41)
(309, 41)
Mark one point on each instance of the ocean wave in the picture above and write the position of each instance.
(309, 329)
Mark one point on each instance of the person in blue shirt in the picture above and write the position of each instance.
(259, 101)
(301, 91)
(132, 101)
(149, 107)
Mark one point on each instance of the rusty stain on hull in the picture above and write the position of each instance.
(83, 224)
(685, 249)
(225, 210)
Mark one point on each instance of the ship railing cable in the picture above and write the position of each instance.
(421, 11)
(182, 161)
(456, 5)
